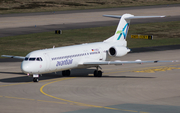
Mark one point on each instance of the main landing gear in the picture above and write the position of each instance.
(66, 73)
(97, 73)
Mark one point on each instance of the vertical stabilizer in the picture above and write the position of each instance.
(122, 29)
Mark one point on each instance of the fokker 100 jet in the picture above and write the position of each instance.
(82, 56)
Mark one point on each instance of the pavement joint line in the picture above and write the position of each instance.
(52, 102)
(15, 84)
(27, 82)
(79, 103)
(130, 111)
(136, 69)
(9, 97)
(111, 108)
(18, 98)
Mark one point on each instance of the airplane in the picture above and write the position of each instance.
(87, 55)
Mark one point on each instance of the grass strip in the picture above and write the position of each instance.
(164, 33)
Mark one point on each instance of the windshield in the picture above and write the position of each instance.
(33, 59)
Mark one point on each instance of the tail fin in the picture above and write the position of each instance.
(123, 26)
(122, 29)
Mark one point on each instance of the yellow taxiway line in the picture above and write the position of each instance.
(79, 103)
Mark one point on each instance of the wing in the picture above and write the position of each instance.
(10, 56)
(124, 62)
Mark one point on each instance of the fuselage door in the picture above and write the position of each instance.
(47, 61)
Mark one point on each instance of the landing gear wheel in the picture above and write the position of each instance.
(66, 73)
(35, 79)
(63, 73)
(97, 73)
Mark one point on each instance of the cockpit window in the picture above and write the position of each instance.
(38, 59)
(26, 58)
(32, 59)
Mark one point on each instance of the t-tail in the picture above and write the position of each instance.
(123, 27)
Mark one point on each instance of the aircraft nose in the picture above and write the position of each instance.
(24, 67)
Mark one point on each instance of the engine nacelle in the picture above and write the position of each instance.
(118, 51)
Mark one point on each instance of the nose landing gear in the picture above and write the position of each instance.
(35, 77)
(35, 80)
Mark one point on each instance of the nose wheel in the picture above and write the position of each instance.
(35, 79)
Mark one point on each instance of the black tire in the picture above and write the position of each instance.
(35, 79)
(66, 73)
(99, 74)
(63, 73)
(95, 73)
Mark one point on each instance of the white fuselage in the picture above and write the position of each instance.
(64, 58)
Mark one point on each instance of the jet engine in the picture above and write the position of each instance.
(118, 51)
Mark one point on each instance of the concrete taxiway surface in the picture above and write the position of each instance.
(82, 16)
(133, 88)
(130, 88)
(18, 24)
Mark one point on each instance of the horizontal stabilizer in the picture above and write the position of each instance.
(112, 16)
(133, 17)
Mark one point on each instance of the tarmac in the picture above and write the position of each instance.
(130, 88)
(141, 88)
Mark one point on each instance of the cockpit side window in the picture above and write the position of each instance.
(26, 58)
(38, 59)
(41, 59)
